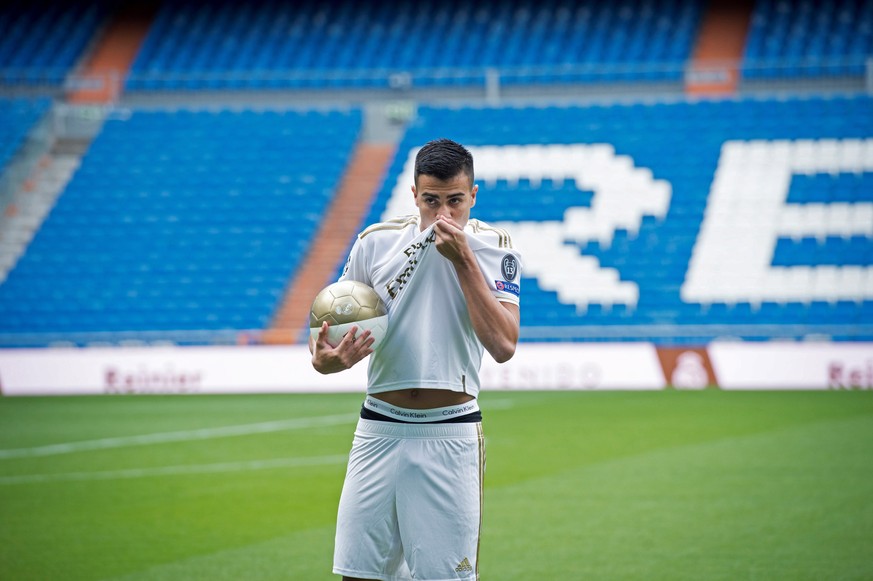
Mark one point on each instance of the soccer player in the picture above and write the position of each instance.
(411, 505)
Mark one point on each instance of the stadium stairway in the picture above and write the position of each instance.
(30, 205)
(114, 54)
(341, 222)
(721, 38)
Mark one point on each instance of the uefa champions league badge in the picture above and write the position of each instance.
(509, 267)
(509, 270)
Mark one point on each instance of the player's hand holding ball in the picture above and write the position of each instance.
(347, 321)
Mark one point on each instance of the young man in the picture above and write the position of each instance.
(411, 505)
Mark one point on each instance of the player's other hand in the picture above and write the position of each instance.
(353, 348)
(451, 241)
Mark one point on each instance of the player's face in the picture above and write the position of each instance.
(451, 198)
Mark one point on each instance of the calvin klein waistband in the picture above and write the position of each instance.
(420, 416)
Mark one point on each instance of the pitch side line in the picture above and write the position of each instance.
(184, 436)
(174, 470)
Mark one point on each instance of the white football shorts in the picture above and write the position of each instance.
(411, 505)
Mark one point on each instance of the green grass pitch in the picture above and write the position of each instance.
(579, 485)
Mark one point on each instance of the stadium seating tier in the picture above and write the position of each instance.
(642, 262)
(196, 45)
(637, 221)
(184, 220)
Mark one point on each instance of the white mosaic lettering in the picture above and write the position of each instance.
(747, 212)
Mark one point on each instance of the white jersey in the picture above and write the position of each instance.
(430, 342)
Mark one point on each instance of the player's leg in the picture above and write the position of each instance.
(367, 535)
(439, 501)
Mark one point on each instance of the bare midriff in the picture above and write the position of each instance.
(423, 399)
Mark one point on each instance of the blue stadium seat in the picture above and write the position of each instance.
(808, 38)
(680, 143)
(17, 118)
(334, 40)
(42, 40)
(187, 220)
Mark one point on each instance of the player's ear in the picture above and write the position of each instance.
(473, 195)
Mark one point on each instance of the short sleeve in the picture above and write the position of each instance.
(502, 271)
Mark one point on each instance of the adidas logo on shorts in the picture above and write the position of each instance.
(464, 566)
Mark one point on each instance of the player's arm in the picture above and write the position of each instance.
(353, 348)
(496, 323)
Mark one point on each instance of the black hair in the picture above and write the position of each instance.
(443, 159)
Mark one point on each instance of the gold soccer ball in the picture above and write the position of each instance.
(348, 304)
